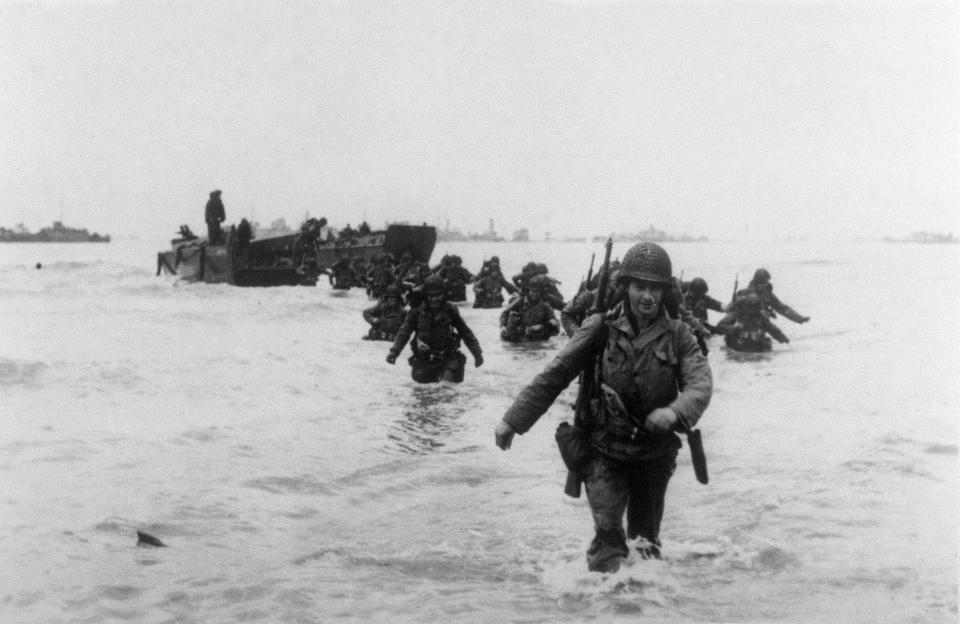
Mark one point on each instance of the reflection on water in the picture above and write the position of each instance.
(535, 350)
(428, 418)
(745, 356)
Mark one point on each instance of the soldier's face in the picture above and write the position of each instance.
(434, 300)
(644, 298)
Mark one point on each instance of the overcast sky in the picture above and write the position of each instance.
(717, 119)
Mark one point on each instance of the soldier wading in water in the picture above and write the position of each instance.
(438, 329)
(651, 380)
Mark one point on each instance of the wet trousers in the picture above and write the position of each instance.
(432, 370)
(635, 488)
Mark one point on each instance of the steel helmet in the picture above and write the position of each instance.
(648, 262)
(433, 285)
(761, 276)
(392, 291)
(699, 286)
(539, 283)
(750, 303)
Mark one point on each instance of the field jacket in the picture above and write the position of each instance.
(662, 366)
(438, 331)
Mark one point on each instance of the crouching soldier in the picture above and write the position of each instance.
(437, 329)
(745, 327)
(387, 316)
(529, 317)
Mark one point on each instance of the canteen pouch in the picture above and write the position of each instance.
(574, 445)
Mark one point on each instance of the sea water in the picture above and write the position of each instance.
(295, 476)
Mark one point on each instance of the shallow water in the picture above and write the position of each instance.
(297, 477)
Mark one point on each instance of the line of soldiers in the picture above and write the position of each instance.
(437, 328)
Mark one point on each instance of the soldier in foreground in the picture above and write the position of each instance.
(648, 378)
(437, 330)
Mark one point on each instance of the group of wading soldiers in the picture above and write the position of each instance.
(410, 292)
(637, 343)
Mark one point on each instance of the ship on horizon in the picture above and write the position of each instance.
(58, 233)
(924, 237)
(652, 235)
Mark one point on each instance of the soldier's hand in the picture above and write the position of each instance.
(533, 329)
(660, 420)
(391, 359)
(478, 361)
(504, 434)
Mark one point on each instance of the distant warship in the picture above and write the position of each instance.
(59, 233)
(924, 237)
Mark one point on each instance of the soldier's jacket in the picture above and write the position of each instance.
(539, 313)
(379, 277)
(487, 292)
(698, 306)
(439, 331)
(386, 317)
(771, 303)
(576, 310)
(456, 275)
(662, 366)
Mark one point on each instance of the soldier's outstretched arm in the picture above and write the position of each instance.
(712, 304)
(774, 331)
(467, 335)
(537, 397)
(403, 336)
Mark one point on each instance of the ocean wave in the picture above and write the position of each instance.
(19, 372)
(941, 449)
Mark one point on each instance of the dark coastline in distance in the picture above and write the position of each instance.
(924, 237)
(58, 233)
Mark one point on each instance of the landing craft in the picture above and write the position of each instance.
(289, 259)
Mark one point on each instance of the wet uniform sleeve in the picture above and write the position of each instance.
(466, 335)
(696, 379)
(783, 309)
(712, 304)
(405, 331)
(774, 331)
(535, 399)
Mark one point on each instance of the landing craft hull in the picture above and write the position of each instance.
(286, 260)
